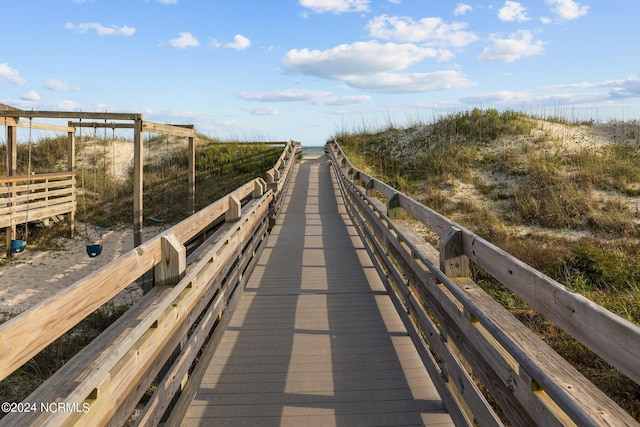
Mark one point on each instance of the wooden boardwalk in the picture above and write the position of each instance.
(315, 340)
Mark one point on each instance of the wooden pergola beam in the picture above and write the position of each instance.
(11, 121)
(108, 125)
(95, 115)
(173, 130)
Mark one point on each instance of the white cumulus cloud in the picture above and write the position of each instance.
(262, 110)
(518, 45)
(432, 31)
(316, 97)
(462, 8)
(342, 100)
(100, 29)
(31, 96)
(512, 11)
(184, 41)
(410, 82)
(286, 95)
(567, 9)
(360, 58)
(57, 85)
(240, 42)
(335, 6)
(11, 75)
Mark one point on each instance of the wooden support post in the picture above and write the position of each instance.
(12, 165)
(394, 211)
(173, 264)
(8, 233)
(234, 212)
(343, 162)
(356, 178)
(138, 164)
(71, 151)
(192, 175)
(453, 262)
(71, 166)
(270, 176)
(259, 188)
(12, 150)
(370, 188)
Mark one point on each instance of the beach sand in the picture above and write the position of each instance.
(33, 276)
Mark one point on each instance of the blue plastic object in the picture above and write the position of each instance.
(94, 250)
(18, 246)
(159, 220)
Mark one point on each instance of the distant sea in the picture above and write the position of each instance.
(313, 151)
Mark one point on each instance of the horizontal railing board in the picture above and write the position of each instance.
(367, 232)
(42, 176)
(143, 354)
(37, 214)
(572, 312)
(186, 307)
(22, 336)
(58, 386)
(37, 183)
(217, 315)
(613, 338)
(93, 291)
(576, 403)
(463, 380)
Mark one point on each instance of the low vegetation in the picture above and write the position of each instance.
(563, 197)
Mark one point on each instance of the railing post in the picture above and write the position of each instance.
(12, 165)
(259, 188)
(453, 262)
(356, 178)
(351, 175)
(369, 188)
(173, 264)
(269, 176)
(394, 211)
(234, 212)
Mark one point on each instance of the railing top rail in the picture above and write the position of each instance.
(613, 338)
(413, 271)
(37, 177)
(82, 298)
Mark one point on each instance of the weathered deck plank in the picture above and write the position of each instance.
(315, 339)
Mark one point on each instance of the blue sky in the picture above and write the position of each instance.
(305, 69)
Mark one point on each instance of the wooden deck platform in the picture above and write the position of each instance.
(315, 339)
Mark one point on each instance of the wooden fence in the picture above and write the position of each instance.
(467, 339)
(168, 337)
(35, 198)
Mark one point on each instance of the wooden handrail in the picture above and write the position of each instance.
(528, 380)
(111, 374)
(38, 177)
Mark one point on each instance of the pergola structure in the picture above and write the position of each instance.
(11, 118)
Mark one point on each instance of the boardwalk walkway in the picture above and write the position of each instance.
(315, 339)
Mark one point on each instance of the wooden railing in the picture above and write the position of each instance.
(24, 198)
(168, 337)
(464, 337)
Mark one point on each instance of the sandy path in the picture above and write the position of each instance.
(33, 276)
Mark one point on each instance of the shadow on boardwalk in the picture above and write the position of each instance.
(315, 339)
